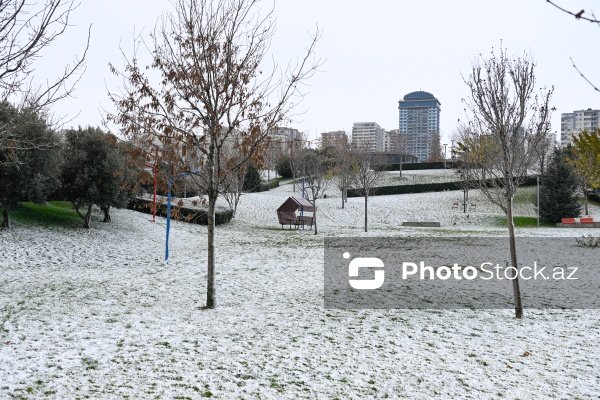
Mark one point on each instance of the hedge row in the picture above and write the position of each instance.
(594, 195)
(422, 188)
(193, 215)
(416, 166)
(266, 186)
(179, 192)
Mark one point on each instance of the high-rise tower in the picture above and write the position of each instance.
(419, 121)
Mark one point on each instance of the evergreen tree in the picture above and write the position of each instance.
(30, 168)
(558, 194)
(284, 168)
(96, 172)
(252, 179)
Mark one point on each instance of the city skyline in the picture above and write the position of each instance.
(373, 54)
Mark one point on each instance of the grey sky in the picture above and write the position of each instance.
(375, 52)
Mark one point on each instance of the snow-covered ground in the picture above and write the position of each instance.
(391, 178)
(97, 314)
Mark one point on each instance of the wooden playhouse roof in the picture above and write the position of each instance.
(296, 203)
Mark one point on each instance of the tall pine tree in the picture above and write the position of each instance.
(559, 194)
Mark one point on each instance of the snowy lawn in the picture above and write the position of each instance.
(97, 314)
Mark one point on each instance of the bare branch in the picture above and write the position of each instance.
(583, 76)
(578, 15)
(26, 30)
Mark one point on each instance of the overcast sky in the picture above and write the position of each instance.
(375, 52)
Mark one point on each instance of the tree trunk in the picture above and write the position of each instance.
(513, 259)
(235, 204)
(88, 217)
(211, 292)
(343, 200)
(400, 167)
(5, 219)
(315, 215)
(366, 208)
(213, 193)
(585, 196)
(106, 211)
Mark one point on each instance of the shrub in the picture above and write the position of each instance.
(252, 181)
(192, 215)
(588, 241)
(283, 168)
(558, 194)
(266, 186)
(594, 195)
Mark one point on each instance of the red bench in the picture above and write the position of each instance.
(586, 220)
(568, 221)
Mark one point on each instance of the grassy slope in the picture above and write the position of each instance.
(54, 213)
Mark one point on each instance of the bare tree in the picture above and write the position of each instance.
(436, 153)
(507, 121)
(273, 153)
(26, 29)
(365, 177)
(543, 152)
(316, 176)
(343, 166)
(462, 166)
(232, 187)
(296, 146)
(210, 55)
(401, 144)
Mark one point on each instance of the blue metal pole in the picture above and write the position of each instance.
(168, 221)
(170, 184)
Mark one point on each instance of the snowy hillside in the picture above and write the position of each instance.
(97, 314)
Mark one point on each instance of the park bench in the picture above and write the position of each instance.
(584, 222)
(427, 222)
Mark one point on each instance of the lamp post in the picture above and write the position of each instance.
(538, 200)
(445, 144)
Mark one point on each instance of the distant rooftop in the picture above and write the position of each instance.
(418, 100)
(420, 95)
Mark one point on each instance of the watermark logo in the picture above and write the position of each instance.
(365, 262)
(458, 272)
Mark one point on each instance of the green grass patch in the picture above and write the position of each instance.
(525, 222)
(54, 213)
